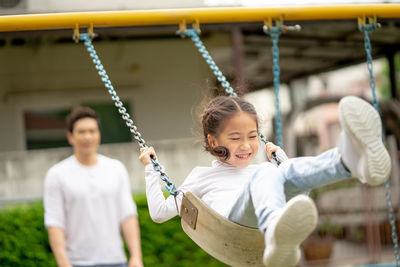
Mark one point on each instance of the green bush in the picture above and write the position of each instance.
(23, 239)
(24, 242)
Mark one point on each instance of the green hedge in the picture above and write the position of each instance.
(24, 242)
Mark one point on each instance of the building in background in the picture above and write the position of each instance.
(162, 80)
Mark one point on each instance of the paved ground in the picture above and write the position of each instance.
(346, 254)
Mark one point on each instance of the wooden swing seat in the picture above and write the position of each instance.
(229, 242)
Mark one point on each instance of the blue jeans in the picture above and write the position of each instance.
(270, 186)
(104, 265)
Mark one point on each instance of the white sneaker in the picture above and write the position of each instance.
(360, 143)
(287, 229)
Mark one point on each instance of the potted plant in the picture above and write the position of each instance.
(319, 245)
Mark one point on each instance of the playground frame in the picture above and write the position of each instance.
(31, 22)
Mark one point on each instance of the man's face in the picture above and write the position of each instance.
(85, 136)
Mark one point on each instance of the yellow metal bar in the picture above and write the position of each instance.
(202, 15)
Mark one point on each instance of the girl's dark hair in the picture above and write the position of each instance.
(219, 109)
(80, 113)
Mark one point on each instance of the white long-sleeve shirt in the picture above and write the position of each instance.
(217, 186)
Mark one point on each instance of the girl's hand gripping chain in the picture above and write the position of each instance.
(271, 150)
(145, 155)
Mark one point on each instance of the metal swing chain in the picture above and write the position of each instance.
(275, 32)
(366, 29)
(194, 36)
(86, 38)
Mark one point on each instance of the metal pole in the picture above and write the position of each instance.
(392, 73)
(238, 57)
(369, 227)
(202, 15)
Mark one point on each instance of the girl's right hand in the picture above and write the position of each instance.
(145, 154)
(271, 148)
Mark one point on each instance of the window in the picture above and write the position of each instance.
(45, 128)
(112, 126)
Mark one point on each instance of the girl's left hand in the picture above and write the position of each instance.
(145, 154)
(269, 148)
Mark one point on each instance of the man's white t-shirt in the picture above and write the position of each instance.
(89, 203)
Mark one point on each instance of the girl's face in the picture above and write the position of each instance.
(240, 136)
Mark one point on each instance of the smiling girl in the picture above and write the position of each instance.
(255, 195)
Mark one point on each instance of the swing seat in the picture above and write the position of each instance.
(231, 243)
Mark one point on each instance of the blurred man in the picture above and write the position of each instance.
(88, 202)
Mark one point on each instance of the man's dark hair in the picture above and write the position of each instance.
(80, 113)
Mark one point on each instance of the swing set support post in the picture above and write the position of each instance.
(390, 56)
(238, 48)
(31, 22)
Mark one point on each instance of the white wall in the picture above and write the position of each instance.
(53, 6)
(11, 131)
(163, 80)
(22, 173)
(77, 5)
